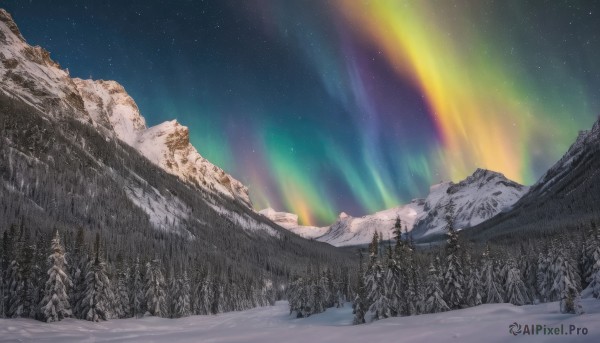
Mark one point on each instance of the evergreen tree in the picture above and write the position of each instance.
(491, 287)
(375, 284)
(155, 289)
(566, 284)
(79, 271)
(516, 292)
(544, 277)
(359, 308)
(434, 298)
(98, 298)
(137, 294)
(453, 277)
(182, 296)
(55, 305)
(473, 290)
(122, 305)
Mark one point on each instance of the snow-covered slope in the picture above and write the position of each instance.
(587, 141)
(272, 324)
(348, 230)
(477, 198)
(28, 73)
(290, 221)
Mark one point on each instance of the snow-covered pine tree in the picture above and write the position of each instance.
(181, 302)
(375, 283)
(98, 298)
(591, 243)
(491, 288)
(55, 304)
(544, 277)
(392, 286)
(15, 278)
(434, 295)
(528, 268)
(358, 307)
(136, 292)
(473, 288)
(595, 279)
(155, 289)
(453, 278)
(122, 292)
(30, 299)
(516, 292)
(78, 271)
(566, 282)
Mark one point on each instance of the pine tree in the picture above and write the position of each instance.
(155, 289)
(137, 294)
(544, 277)
(566, 284)
(491, 287)
(55, 305)
(473, 290)
(374, 279)
(359, 308)
(516, 292)
(15, 279)
(453, 277)
(79, 270)
(434, 298)
(122, 304)
(98, 298)
(182, 296)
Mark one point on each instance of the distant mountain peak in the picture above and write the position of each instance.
(477, 198)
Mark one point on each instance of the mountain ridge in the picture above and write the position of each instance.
(30, 74)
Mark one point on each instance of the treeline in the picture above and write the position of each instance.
(42, 280)
(401, 280)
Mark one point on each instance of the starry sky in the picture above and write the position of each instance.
(323, 106)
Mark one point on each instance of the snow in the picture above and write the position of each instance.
(28, 73)
(348, 230)
(164, 214)
(290, 221)
(477, 198)
(489, 323)
(245, 221)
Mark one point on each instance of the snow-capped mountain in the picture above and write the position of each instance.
(348, 230)
(29, 73)
(477, 198)
(567, 195)
(586, 143)
(290, 221)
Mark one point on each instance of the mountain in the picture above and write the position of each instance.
(348, 230)
(477, 198)
(290, 222)
(29, 74)
(78, 154)
(565, 197)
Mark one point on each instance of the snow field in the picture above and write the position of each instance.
(486, 323)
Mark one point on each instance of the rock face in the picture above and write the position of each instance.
(28, 73)
(477, 198)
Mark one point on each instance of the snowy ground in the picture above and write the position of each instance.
(486, 323)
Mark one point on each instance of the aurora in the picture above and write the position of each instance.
(357, 106)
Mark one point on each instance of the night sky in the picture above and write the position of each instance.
(350, 105)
